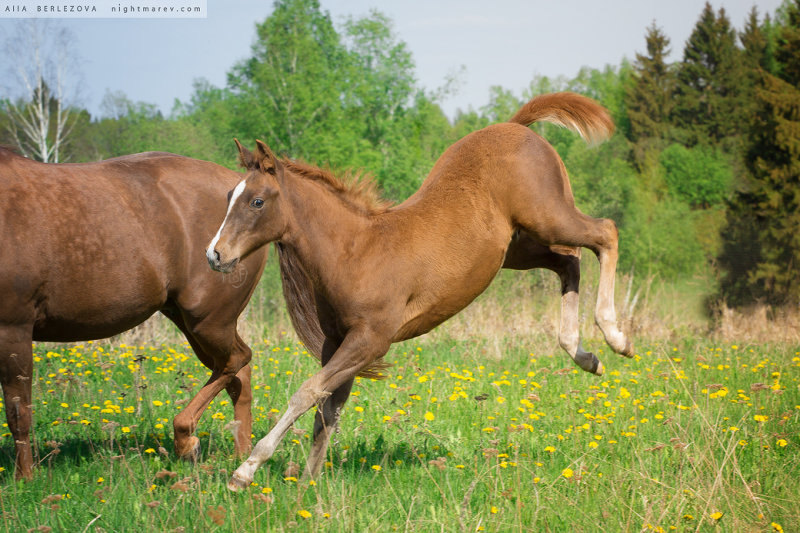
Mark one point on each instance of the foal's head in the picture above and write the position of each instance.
(255, 215)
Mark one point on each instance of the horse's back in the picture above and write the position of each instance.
(93, 249)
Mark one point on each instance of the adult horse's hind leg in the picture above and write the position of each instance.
(211, 341)
(16, 372)
(524, 254)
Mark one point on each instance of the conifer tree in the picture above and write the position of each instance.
(650, 96)
(761, 258)
(708, 81)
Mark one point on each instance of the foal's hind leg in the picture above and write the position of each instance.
(524, 254)
(326, 418)
(16, 371)
(565, 225)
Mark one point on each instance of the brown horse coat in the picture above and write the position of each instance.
(91, 250)
(499, 197)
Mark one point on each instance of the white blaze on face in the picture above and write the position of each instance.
(236, 193)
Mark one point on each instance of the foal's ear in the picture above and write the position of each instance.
(267, 162)
(246, 158)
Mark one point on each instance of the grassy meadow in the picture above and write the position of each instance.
(482, 425)
(688, 436)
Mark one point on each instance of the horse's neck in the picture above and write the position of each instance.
(321, 225)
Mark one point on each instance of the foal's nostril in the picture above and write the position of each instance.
(216, 256)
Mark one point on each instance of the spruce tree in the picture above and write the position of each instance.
(650, 96)
(761, 259)
(708, 81)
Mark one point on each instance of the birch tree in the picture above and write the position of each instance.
(43, 84)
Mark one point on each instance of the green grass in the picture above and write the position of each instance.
(453, 440)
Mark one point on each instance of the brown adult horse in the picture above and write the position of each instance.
(94, 249)
(499, 197)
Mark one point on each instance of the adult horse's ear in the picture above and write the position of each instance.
(246, 158)
(266, 160)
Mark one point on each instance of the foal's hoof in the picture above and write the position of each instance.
(628, 350)
(189, 451)
(589, 362)
(599, 370)
(237, 483)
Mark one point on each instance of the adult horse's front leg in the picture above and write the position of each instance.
(16, 371)
(214, 353)
(359, 348)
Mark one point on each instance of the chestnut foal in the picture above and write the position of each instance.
(379, 274)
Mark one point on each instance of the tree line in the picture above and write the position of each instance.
(702, 176)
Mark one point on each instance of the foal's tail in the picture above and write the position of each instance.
(569, 110)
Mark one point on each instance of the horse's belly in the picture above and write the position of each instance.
(71, 329)
(443, 297)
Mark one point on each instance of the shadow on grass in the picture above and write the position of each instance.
(77, 450)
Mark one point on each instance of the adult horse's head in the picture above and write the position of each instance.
(255, 216)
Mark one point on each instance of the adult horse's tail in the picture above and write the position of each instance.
(569, 110)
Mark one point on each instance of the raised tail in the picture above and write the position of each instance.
(569, 110)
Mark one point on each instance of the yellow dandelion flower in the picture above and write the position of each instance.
(716, 515)
(781, 442)
(760, 418)
(126, 429)
(567, 473)
(776, 527)
(494, 510)
(100, 479)
(377, 468)
(266, 490)
(304, 514)
(549, 449)
(429, 416)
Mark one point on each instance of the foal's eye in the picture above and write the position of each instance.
(258, 203)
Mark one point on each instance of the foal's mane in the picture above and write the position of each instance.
(358, 189)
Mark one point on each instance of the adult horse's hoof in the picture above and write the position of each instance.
(237, 483)
(190, 451)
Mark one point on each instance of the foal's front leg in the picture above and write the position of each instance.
(359, 348)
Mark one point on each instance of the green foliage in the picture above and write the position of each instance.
(765, 214)
(659, 239)
(700, 176)
(602, 180)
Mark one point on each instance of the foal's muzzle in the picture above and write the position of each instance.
(216, 262)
